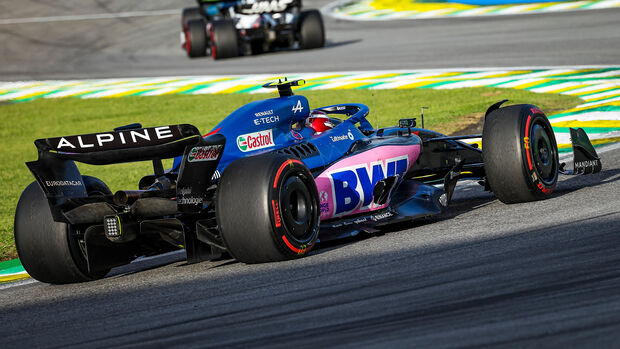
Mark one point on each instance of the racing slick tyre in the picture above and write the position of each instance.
(520, 154)
(311, 31)
(188, 14)
(224, 42)
(49, 250)
(267, 209)
(196, 38)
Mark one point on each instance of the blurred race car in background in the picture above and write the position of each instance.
(225, 29)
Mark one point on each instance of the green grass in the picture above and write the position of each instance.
(22, 123)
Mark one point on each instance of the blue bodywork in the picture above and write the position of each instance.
(280, 115)
(283, 117)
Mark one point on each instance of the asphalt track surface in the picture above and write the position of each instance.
(481, 274)
(150, 46)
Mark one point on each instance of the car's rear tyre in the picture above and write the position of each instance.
(224, 41)
(188, 14)
(49, 250)
(520, 154)
(196, 38)
(311, 30)
(267, 209)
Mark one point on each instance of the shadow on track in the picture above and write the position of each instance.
(552, 283)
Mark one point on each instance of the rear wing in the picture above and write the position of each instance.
(61, 181)
(126, 145)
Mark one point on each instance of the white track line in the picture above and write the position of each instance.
(89, 17)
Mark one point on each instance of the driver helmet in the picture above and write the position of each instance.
(319, 121)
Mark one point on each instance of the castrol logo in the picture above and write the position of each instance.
(255, 140)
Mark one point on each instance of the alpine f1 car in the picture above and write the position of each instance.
(268, 182)
(227, 29)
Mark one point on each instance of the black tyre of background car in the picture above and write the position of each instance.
(520, 154)
(224, 41)
(267, 209)
(258, 46)
(311, 31)
(188, 14)
(196, 38)
(49, 250)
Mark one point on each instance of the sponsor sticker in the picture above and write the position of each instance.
(298, 107)
(353, 186)
(255, 140)
(266, 120)
(114, 140)
(63, 183)
(323, 196)
(264, 113)
(265, 6)
(204, 153)
(265, 117)
(189, 201)
(324, 207)
(184, 197)
(338, 138)
(349, 135)
(381, 216)
(586, 163)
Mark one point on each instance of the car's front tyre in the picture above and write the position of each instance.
(520, 154)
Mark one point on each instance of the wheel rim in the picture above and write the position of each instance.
(213, 48)
(544, 153)
(188, 44)
(297, 208)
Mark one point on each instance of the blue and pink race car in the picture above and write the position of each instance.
(268, 182)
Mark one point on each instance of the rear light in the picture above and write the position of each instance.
(120, 228)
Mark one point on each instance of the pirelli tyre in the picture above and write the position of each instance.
(267, 209)
(311, 30)
(188, 14)
(196, 38)
(224, 41)
(50, 251)
(520, 154)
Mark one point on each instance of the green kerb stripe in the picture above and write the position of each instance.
(589, 130)
(11, 267)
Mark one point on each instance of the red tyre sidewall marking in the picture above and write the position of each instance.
(282, 167)
(213, 48)
(188, 44)
(532, 173)
(276, 210)
(526, 140)
(299, 251)
(276, 213)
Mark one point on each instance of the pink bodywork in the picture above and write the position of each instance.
(367, 163)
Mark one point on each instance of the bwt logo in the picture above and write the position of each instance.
(353, 186)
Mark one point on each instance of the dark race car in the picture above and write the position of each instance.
(225, 29)
(268, 182)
